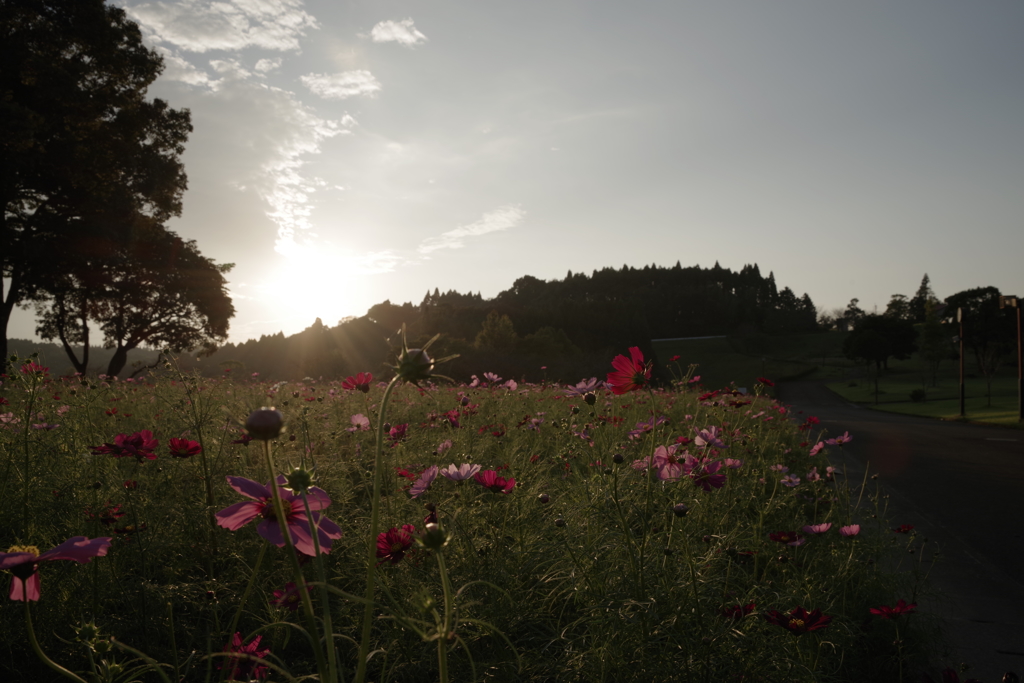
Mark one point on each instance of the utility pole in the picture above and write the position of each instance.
(1014, 302)
(960, 319)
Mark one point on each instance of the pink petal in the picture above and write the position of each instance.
(318, 498)
(8, 560)
(234, 517)
(271, 531)
(18, 588)
(80, 549)
(249, 488)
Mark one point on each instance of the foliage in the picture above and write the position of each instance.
(990, 333)
(878, 338)
(85, 155)
(588, 566)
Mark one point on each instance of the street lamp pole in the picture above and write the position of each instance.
(1014, 302)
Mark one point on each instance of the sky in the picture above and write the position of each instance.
(346, 151)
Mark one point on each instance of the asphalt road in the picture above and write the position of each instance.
(962, 487)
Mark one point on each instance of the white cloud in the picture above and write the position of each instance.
(177, 68)
(502, 218)
(402, 32)
(267, 65)
(200, 25)
(342, 85)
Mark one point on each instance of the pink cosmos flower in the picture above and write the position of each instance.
(584, 387)
(790, 481)
(397, 434)
(460, 473)
(289, 597)
(360, 423)
(779, 468)
(851, 530)
(33, 368)
(733, 463)
(631, 373)
(703, 472)
(246, 667)
(184, 448)
(361, 382)
(139, 445)
(300, 527)
(394, 543)
(490, 480)
(443, 447)
(670, 468)
(709, 438)
(424, 481)
(817, 448)
(900, 608)
(840, 440)
(813, 475)
(23, 562)
(817, 528)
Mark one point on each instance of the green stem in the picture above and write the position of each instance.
(248, 589)
(332, 661)
(371, 553)
(307, 603)
(35, 643)
(446, 626)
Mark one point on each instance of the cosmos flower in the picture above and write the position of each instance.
(238, 515)
(851, 530)
(790, 481)
(790, 538)
(817, 528)
(288, 597)
(709, 438)
(246, 667)
(184, 448)
(840, 440)
(704, 473)
(424, 481)
(737, 612)
(361, 382)
(799, 620)
(900, 608)
(394, 543)
(460, 473)
(23, 562)
(139, 445)
(492, 482)
(360, 423)
(817, 448)
(631, 373)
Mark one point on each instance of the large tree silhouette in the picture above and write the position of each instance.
(84, 156)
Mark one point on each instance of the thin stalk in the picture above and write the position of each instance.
(325, 596)
(307, 604)
(371, 548)
(446, 626)
(35, 643)
(248, 589)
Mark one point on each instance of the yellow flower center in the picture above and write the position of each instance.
(395, 547)
(796, 623)
(24, 549)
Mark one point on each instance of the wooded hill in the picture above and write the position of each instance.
(557, 329)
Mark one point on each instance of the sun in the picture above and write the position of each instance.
(310, 282)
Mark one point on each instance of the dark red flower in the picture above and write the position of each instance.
(393, 544)
(765, 381)
(184, 448)
(904, 528)
(247, 666)
(799, 621)
(788, 537)
(900, 608)
(107, 515)
(631, 373)
(244, 440)
(139, 445)
(289, 597)
(361, 382)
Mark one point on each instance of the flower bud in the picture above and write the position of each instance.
(544, 498)
(265, 424)
(575, 410)
(414, 365)
(299, 480)
(559, 522)
(590, 398)
(434, 538)
(680, 510)
(617, 458)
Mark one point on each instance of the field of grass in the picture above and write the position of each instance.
(650, 536)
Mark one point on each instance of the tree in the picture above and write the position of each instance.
(990, 334)
(934, 341)
(878, 338)
(497, 333)
(898, 307)
(920, 300)
(85, 155)
(158, 291)
(853, 313)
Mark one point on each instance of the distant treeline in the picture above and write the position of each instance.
(558, 329)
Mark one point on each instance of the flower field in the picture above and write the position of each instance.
(429, 531)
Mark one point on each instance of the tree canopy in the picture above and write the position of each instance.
(86, 157)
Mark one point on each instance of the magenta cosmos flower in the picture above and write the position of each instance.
(799, 621)
(424, 481)
(630, 373)
(361, 382)
(817, 528)
(236, 516)
(184, 448)
(492, 482)
(704, 472)
(791, 538)
(851, 530)
(248, 666)
(23, 562)
(139, 445)
(393, 544)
